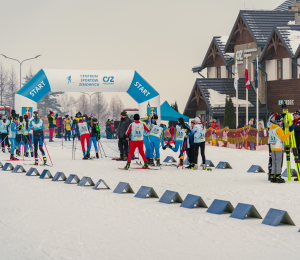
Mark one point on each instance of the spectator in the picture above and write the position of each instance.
(52, 125)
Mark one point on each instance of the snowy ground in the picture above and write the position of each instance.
(41, 219)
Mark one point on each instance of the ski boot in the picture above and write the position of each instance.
(9, 149)
(127, 166)
(181, 162)
(151, 163)
(146, 165)
(148, 161)
(158, 162)
(3, 149)
(279, 179)
(36, 162)
(45, 160)
(31, 154)
(18, 152)
(165, 147)
(26, 154)
(196, 167)
(87, 156)
(273, 178)
(97, 155)
(204, 167)
(13, 158)
(191, 166)
(120, 159)
(296, 179)
(125, 159)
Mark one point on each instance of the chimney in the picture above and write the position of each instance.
(296, 9)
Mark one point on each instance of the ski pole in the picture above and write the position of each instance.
(48, 153)
(102, 149)
(75, 147)
(99, 149)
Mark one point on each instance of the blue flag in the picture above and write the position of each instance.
(256, 75)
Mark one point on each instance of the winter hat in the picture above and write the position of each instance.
(192, 122)
(278, 118)
(136, 117)
(273, 114)
(35, 113)
(66, 116)
(51, 112)
(56, 115)
(155, 116)
(123, 113)
(197, 119)
(297, 113)
(4, 117)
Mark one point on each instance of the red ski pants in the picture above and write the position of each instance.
(85, 137)
(133, 146)
(51, 130)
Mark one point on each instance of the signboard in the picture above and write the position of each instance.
(248, 53)
(239, 57)
(287, 102)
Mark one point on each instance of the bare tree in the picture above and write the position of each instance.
(3, 83)
(100, 107)
(67, 103)
(12, 87)
(83, 104)
(29, 76)
(116, 107)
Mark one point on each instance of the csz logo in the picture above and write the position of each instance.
(108, 80)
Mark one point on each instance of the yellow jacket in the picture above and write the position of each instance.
(68, 124)
(283, 137)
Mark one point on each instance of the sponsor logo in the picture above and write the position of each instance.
(109, 80)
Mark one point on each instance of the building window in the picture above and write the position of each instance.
(279, 69)
(294, 70)
(218, 72)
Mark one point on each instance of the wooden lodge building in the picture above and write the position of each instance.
(274, 36)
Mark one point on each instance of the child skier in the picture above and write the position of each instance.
(37, 125)
(156, 136)
(272, 118)
(4, 134)
(13, 128)
(95, 135)
(191, 150)
(19, 136)
(84, 132)
(26, 137)
(67, 125)
(199, 138)
(277, 139)
(136, 129)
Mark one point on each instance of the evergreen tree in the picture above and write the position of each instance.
(49, 102)
(175, 107)
(229, 115)
(28, 77)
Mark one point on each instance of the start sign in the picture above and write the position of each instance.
(287, 102)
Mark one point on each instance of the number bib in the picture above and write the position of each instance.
(180, 133)
(275, 141)
(83, 128)
(199, 136)
(156, 131)
(137, 131)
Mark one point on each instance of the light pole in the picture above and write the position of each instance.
(20, 62)
(90, 99)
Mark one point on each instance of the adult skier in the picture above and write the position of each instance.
(277, 139)
(19, 136)
(199, 138)
(136, 130)
(67, 128)
(156, 137)
(12, 133)
(4, 134)
(95, 135)
(37, 125)
(123, 143)
(52, 125)
(272, 119)
(27, 137)
(191, 150)
(84, 132)
(146, 140)
(297, 132)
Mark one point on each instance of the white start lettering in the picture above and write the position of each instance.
(37, 88)
(142, 89)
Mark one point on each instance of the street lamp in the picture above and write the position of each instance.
(20, 64)
(90, 99)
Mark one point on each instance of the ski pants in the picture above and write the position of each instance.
(133, 146)
(68, 135)
(270, 160)
(51, 130)
(154, 145)
(58, 132)
(38, 141)
(13, 145)
(93, 140)
(87, 138)
(147, 146)
(27, 142)
(123, 147)
(18, 141)
(196, 152)
(276, 162)
(5, 140)
(178, 143)
(190, 152)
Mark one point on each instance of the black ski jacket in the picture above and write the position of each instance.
(297, 133)
(123, 126)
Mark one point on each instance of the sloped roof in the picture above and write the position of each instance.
(220, 42)
(260, 24)
(284, 6)
(215, 91)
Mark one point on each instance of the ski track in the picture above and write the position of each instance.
(41, 219)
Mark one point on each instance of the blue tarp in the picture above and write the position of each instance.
(169, 114)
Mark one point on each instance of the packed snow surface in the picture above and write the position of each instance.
(41, 219)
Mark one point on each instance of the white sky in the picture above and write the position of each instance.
(161, 39)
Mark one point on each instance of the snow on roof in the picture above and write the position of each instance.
(291, 36)
(291, 22)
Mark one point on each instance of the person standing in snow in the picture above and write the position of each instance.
(52, 125)
(123, 143)
(136, 130)
(84, 132)
(67, 128)
(191, 150)
(95, 135)
(272, 119)
(297, 132)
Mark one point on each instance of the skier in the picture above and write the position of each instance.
(12, 132)
(67, 129)
(136, 129)
(26, 137)
(272, 118)
(123, 143)
(156, 137)
(4, 134)
(52, 125)
(59, 126)
(199, 138)
(297, 132)
(38, 137)
(95, 135)
(277, 139)
(180, 134)
(146, 140)
(19, 136)
(84, 132)
(191, 150)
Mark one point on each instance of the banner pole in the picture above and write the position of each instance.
(257, 108)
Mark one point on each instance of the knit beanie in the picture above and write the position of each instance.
(155, 116)
(123, 113)
(136, 117)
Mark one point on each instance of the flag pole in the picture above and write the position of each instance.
(257, 112)
(247, 119)
(237, 95)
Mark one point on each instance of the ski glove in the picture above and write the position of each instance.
(292, 128)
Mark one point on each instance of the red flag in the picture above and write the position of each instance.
(247, 76)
